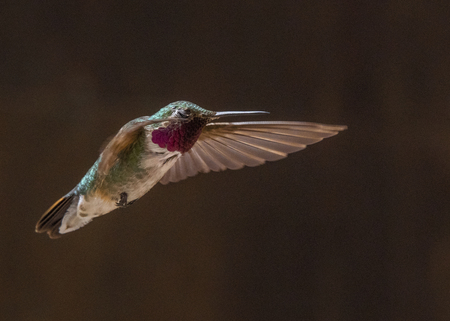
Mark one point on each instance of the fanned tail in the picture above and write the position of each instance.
(50, 222)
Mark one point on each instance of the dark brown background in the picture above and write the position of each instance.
(354, 228)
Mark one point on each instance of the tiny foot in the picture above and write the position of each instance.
(123, 200)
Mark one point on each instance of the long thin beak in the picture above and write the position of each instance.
(238, 113)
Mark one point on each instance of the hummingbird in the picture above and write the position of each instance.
(179, 141)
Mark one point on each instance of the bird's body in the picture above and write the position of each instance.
(176, 142)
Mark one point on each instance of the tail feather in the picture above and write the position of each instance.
(50, 221)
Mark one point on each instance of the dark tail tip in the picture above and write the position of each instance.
(51, 220)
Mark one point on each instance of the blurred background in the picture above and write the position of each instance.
(356, 227)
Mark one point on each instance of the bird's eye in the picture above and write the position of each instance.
(183, 113)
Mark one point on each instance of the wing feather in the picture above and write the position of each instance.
(197, 162)
(235, 145)
(191, 166)
(227, 146)
(213, 163)
(126, 136)
(255, 152)
(223, 157)
(167, 178)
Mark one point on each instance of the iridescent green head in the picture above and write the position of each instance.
(182, 109)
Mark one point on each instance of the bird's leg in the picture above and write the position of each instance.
(123, 200)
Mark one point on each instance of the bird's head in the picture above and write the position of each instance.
(185, 124)
(183, 111)
(187, 111)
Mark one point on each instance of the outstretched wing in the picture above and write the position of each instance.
(235, 145)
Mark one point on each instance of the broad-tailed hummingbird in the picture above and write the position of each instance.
(177, 142)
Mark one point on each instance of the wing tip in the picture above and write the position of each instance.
(340, 127)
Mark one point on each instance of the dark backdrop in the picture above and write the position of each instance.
(356, 227)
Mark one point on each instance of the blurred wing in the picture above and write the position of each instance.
(123, 140)
(235, 145)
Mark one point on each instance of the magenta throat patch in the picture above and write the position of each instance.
(179, 136)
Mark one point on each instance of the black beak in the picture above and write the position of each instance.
(220, 114)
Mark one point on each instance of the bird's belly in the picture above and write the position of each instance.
(155, 169)
(95, 205)
(102, 201)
